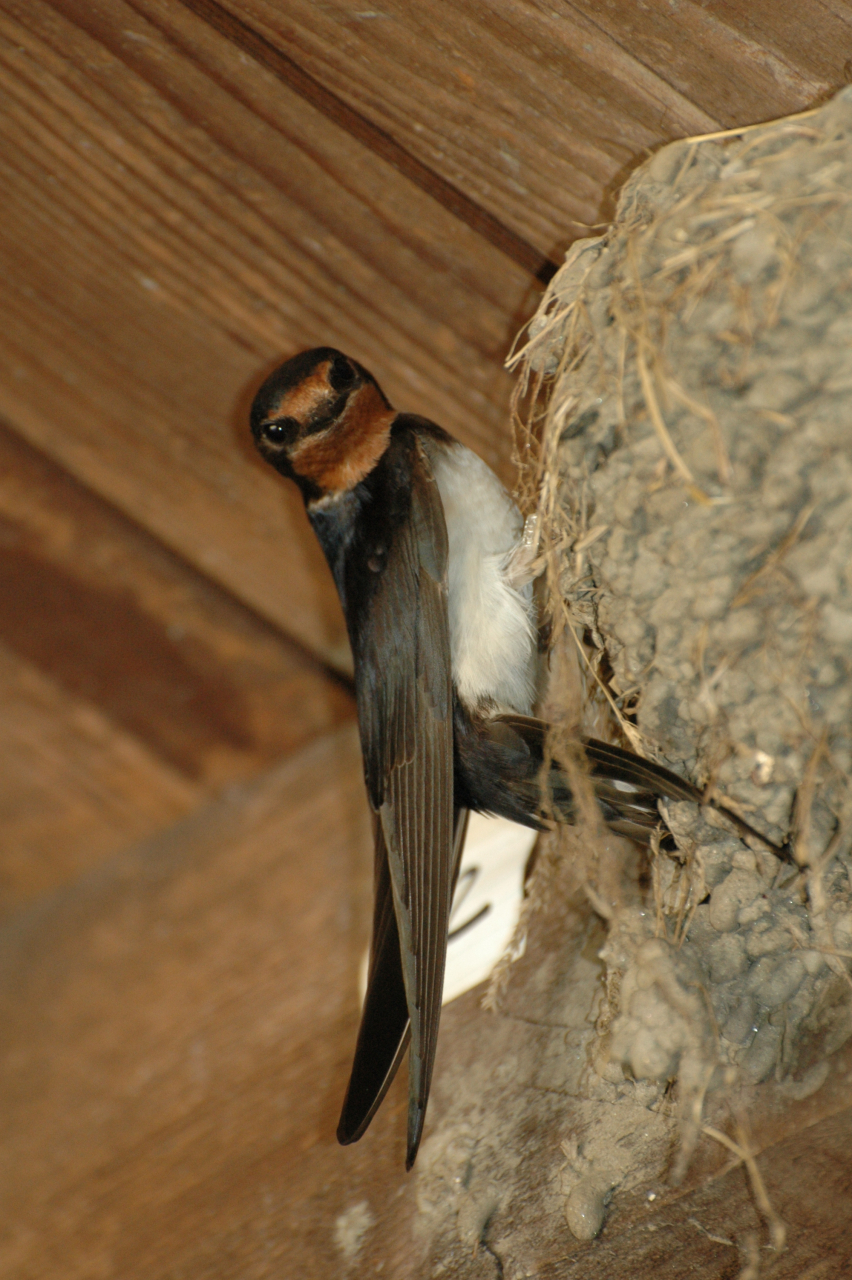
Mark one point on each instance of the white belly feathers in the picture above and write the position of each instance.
(492, 630)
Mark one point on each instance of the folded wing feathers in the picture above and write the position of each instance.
(417, 813)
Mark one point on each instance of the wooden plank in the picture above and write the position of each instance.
(74, 786)
(532, 111)
(285, 68)
(537, 112)
(176, 221)
(110, 614)
(742, 63)
(173, 1057)
(133, 686)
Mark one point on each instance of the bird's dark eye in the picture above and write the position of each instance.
(277, 431)
(341, 375)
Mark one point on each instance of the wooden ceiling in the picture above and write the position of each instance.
(191, 191)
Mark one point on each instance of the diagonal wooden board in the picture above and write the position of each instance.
(531, 110)
(132, 687)
(536, 111)
(175, 222)
(176, 1028)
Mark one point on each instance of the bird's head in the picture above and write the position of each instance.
(322, 420)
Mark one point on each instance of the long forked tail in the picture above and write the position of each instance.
(499, 770)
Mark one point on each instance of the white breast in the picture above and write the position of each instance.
(492, 629)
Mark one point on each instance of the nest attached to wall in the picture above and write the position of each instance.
(686, 439)
(684, 407)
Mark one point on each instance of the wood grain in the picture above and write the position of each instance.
(131, 687)
(202, 221)
(111, 616)
(272, 55)
(743, 63)
(74, 786)
(174, 1057)
(531, 109)
(538, 111)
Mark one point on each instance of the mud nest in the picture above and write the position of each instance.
(688, 379)
(684, 406)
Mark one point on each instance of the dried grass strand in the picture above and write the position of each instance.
(745, 1155)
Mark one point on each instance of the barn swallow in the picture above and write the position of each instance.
(428, 555)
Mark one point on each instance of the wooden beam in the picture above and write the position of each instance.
(176, 220)
(742, 63)
(177, 1028)
(538, 111)
(270, 53)
(132, 687)
(531, 110)
(74, 786)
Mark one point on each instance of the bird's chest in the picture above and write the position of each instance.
(492, 634)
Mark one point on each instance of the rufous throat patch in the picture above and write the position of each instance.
(337, 458)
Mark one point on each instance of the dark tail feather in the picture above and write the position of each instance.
(609, 761)
(499, 771)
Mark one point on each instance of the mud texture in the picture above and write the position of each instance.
(690, 377)
(697, 366)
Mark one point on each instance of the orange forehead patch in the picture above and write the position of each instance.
(339, 457)
(300, 401)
